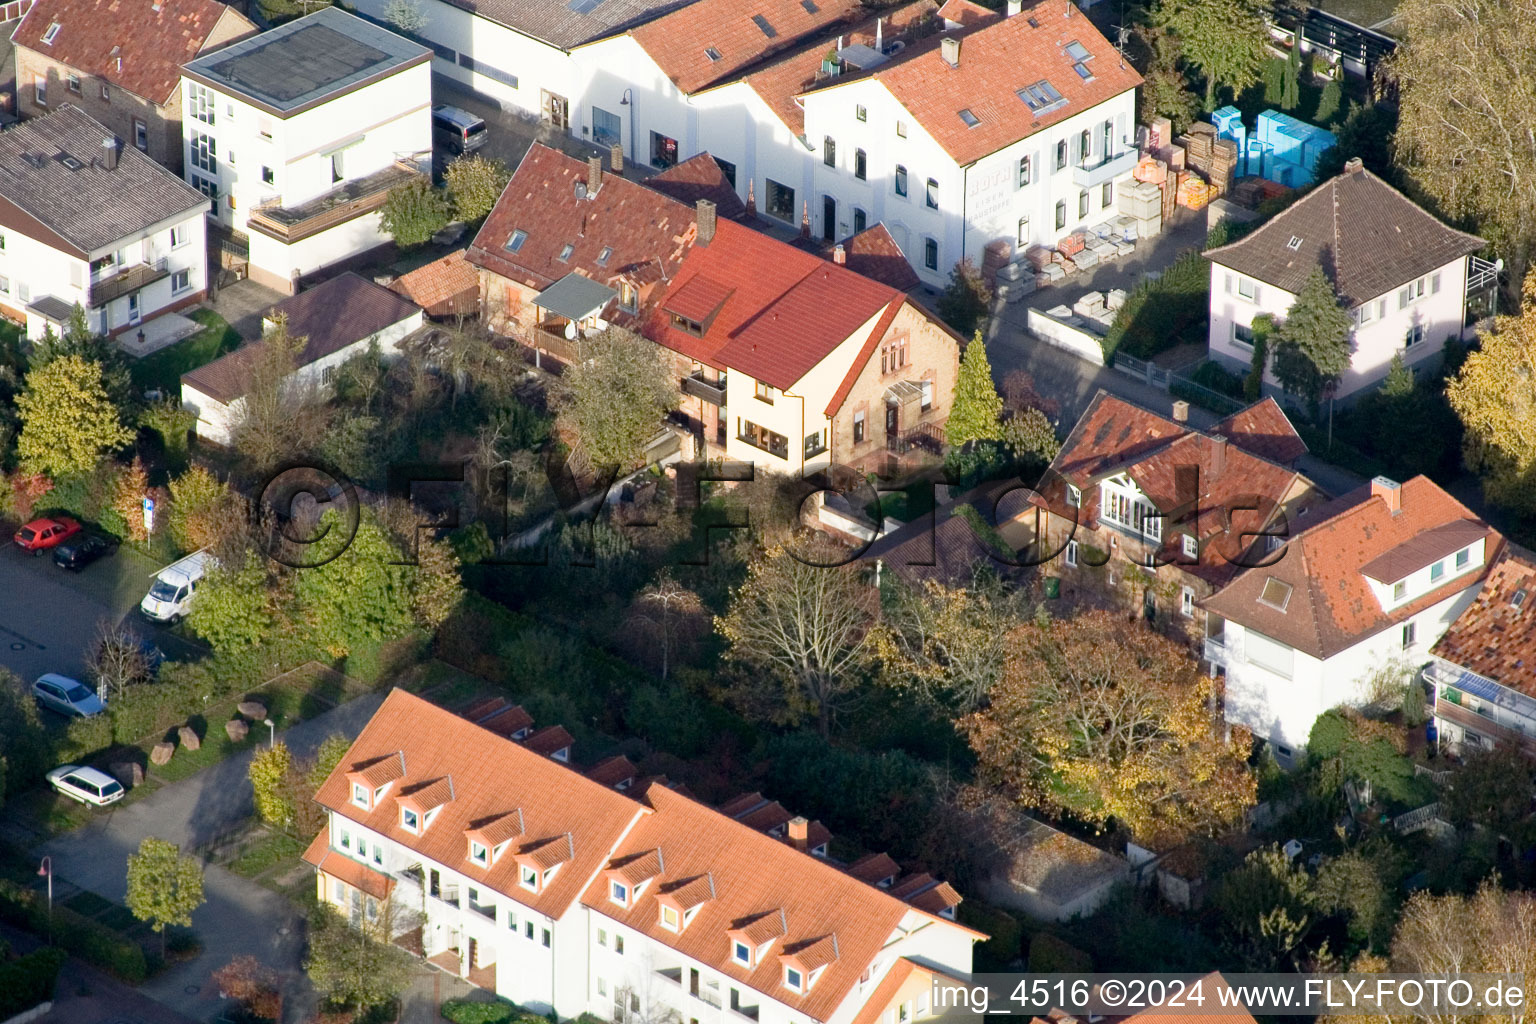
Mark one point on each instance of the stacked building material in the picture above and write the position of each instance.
(994, 257)
(1223, 165)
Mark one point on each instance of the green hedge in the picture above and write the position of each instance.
(92, 942)
(1158, 315)
(1004, 944)
(27, 981)
(464, 1011)
(1339, 452)
(1050, 955)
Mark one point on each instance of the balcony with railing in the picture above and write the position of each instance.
(125, 280)
(1107, 169)
(347, 201)
(700, 387)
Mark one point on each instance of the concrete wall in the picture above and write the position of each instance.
(280, 266)
(1080, 342)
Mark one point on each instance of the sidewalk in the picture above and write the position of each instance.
(239, 916)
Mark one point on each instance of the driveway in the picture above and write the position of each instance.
(240, 916)
(48, 617)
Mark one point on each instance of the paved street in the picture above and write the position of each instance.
(240, 916)
(49, 616)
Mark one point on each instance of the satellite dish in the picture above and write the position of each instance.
(570, 330)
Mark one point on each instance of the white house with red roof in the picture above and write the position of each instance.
(1372, 583)
(568, 892)
(1015, 129)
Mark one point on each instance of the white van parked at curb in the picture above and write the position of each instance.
(170, 595)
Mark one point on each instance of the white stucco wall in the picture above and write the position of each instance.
(1438, 314)
(286, 262)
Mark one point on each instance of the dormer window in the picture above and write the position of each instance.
(1191, 547)
(1074, 496)
(410, 820)
(429, 819)
(497, 851)
(529, 877)
(378, 794)
(689, 915)
(741, 953)
(793, 979)
(618, 892)
(669, 918)
(360, 796)
(550, 873)
(479, 854)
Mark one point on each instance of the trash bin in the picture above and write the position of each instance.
(1053, 587)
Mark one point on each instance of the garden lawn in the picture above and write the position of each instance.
(163, 369)
(270, 850)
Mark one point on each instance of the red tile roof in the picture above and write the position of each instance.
(557, 804)
(613, 771)
(679, 42)
(874, 868)
(339, 865)
(1493, 637)
(997, 59)
(443, 287)
(496, 829)
(1265, 430)
(647, 232)
(153, 42)
(964, 12)
(763, 888)
(785, 311)
(1332, 606)
(422, 797)
(1114, 437)
(778, 82)
(873, 1010)
(700, 177)
(550, 740)
(873, 253)
(509, 722)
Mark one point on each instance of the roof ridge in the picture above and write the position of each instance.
(1338, 245)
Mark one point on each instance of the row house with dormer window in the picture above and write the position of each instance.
(1409, 282)
(1373, 582)
(561, 891)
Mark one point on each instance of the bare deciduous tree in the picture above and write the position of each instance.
(282, 414)
(670, 612)
(116, 659)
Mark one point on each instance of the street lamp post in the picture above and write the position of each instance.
(45, 870)
(272, 734)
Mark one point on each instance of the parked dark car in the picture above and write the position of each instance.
(82, 549)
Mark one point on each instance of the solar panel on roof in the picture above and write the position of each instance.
(762, 23)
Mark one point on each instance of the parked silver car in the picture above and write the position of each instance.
(87, 785)
(67, 696)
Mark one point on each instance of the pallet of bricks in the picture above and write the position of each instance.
(1047, 264)
(1194, 193)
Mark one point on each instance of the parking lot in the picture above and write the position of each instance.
(48, 616)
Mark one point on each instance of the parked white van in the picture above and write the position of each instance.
(170, 596)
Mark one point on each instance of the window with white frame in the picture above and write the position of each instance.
(1074, 496)
(478, 853)
(1437, 571)
(409, 820)
(1071, 554)
(1187, 603)
(360, 795)
(1410, 634)
(1130, 512)
(178, 236)
(1242, 335)
(1399, 591)
(1024, 171)
(1191, 546)
(528, 876)
(618, 892)
(40, 90)
(1463, 558)
(181, 280)
(794, 979)
(205, 153)
(200, 103)
(1413, 336)
(1247, 288)
(741, 953)
(1416, 290)
(669, 917)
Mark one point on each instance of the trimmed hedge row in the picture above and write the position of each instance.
(91, 942)
(465, 1011)
(28, 980)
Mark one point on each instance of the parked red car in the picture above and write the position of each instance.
(41, 534)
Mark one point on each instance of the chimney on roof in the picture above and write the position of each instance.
(109, 153)
(1218, 454)
(949, 49)
(1015, 7)
(616, 160)
(880, 33)
(1353, 165)
(1070, 8)
(594, 175)
(1389, 491)
(704, 216)
(799, 832)
(1181, 411)
(839, 254)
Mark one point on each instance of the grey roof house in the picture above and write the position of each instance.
(337, 319)
(86, 220)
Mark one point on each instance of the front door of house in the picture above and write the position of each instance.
(892, 421)
(556, 110)
(135, 313)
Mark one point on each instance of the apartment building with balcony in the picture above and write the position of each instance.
(1015, 129)
(1482, 672)
(121, 64)
(1373, 582)
(298, 135)
(87, 221)
(1409, 281)
(562, 891)
(1150, 515)
(784, 359)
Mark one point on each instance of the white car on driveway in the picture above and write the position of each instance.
(86, 785)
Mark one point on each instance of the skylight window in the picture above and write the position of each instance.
(516, 241)
(1518, 599)
(1276, 594)
(1041, 97)
(970, 119)
(567, 252)
(602, 257)
(1078, 52)
(1082, 71)
(51, 34)
(583, 6)
(1294, 243)
(712, 53)
(762, 23)
(810, 6)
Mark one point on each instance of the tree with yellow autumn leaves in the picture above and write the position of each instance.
(1110, 722)
(1495, 396)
